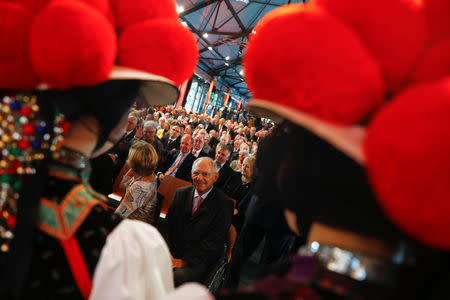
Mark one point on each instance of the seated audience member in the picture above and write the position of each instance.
(236, 164)
(206, 146)
(178, 163)
(140, 200)
(148, 134)
(236, 149)
(198, 223)
(214, 140)
(171, 141)
(226, 139)
(123, 146)
(163, 128)
(197, 149)
(253, 137)
(188, 130)
(243, 191)
(227, 177)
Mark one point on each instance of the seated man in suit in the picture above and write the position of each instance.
(197, 149)
(178, 163)
(198, 222)
(171, 141)
(228, 179)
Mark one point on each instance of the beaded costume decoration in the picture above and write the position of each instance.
(24, 139)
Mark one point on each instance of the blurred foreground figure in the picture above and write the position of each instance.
(80, 80)
(362, 145)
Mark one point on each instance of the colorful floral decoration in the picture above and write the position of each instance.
(24, 139)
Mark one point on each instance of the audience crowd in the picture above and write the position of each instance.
(215, 156)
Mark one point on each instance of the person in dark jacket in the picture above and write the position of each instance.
(198, 221)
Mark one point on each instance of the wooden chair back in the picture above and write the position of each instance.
(167, 188)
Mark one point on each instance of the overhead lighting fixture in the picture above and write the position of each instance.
(205, 35)
(184, 24)
(227, 64)
(210, 48)
(241, 72)
(180, 9)
(227, 58)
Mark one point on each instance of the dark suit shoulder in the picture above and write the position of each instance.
(184, 189)
(221, 196)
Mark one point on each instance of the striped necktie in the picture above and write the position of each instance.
(199, 201)
(170, 171)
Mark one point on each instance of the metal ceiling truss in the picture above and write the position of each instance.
(228, 71)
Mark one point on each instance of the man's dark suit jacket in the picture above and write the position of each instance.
(170, 145)
(121, 149)
(201, 154)
(184, 169)
(198, 239)
(227, 178)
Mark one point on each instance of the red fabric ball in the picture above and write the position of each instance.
(23, 144)
(393, 30)
(102, 6)
(16, 71)
(129, 12)
(72, 45)
(34, 5)
(28, 129)
(162, 47)
(438, 19)
(25, 111)
(407, 148)
(305, 59)
(435, 64)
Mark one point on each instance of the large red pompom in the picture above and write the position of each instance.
(408, 162)
(162, 47)
(305, 59)
(438, 19)
(102, 6)
(129, 12)
(34, 5)
(393, 30)
(16, 71)
(72, 45)
(435, 64)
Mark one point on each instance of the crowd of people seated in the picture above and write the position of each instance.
(216, 156)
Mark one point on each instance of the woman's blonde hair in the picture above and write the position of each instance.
(142, 158)
(251, 162)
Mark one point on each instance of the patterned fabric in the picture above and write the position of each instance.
(50, 276)
(62, 220)
(139, 194)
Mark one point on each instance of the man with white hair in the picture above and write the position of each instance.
(149, 135)
(198, 223)
(197, 149)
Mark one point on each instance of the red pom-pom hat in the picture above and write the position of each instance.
(72, 45)
(408, 161)
(16, 71)
(163, 53)
(75, 44)
(393, 31)
(305, 65)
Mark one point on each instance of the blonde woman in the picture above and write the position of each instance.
(140, 200)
